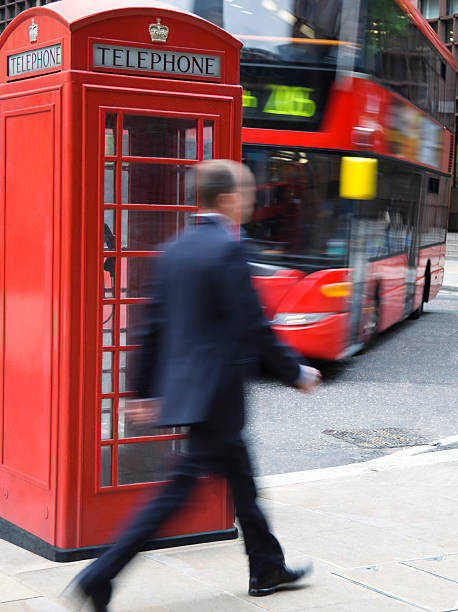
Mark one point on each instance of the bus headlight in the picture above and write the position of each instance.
(299, 318)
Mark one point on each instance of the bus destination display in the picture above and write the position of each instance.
(297, 102)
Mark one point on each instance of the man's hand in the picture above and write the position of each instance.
(143, 411)
(309, 379)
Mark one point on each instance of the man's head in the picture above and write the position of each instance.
(226, 187)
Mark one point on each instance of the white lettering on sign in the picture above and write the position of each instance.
(33, 61)
(152, 60)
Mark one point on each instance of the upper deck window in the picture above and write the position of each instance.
(278, 31)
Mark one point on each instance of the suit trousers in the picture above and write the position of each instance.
(208, 451)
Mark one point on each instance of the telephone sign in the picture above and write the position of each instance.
(156, 60)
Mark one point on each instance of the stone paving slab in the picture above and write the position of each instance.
(12, 589)
(445, 566)
(14, 559)
(381, 604)
(451, 274)
(409, 585)
(38, 604)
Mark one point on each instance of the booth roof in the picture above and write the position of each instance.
(72, 12)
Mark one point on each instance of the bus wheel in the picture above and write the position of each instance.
(416, 314)
(371, 323)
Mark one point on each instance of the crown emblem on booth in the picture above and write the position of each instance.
(33, 31)
(158, 31)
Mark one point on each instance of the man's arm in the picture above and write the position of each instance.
(249, 324)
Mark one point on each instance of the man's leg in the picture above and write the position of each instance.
(95, 579)
(262, 547)
(267, 563)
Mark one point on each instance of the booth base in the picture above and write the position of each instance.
(14, 534)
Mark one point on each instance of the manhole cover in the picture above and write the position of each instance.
(388, 437)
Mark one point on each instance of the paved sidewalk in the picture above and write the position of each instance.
(450, 274)
(383, 538)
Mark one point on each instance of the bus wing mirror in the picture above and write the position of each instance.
(358, 178)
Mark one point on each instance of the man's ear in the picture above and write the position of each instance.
(224, 203)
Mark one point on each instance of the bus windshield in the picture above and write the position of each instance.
(278, 31)
(299, 220)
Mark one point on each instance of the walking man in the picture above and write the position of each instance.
(203, 318)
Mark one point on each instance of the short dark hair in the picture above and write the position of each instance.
(214, 177)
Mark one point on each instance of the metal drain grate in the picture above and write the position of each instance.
(388, 437)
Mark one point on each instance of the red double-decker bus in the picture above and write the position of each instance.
(325, 80)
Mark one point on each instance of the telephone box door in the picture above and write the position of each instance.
(141, 149)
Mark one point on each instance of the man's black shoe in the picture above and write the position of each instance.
(268, 583)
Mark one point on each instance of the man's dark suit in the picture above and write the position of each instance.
(203, 317)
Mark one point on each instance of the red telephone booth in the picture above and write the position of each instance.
(104, 114)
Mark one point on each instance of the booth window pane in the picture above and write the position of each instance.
(208, 139)
(146, 230)
(107, 419)
(108, 318)
(126, 370)
(169, 184)
(107, 372)
(109, 230)
(131, 319)
(159, 137)
(109, 266)
(127, 429)
(109, 191)
(137, 276)
(148, 461)
(110, 133)
(105, 466)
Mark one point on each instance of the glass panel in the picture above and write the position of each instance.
(137, 276)
(107, 419)
(127, 362)
(110, 183)
(110, 133)
(452, 7)
(105, 466)
(108, 319)
(430, 8)
(132, 317)
(109, 230)
(127, 429)
(148, 461)
(449, 31)
(158, 184)
(298, 218)
(107, 372)
(159, 137)
(208, 139)
(109, 266)
(145, 230)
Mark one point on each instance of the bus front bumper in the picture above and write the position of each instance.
(327, 339)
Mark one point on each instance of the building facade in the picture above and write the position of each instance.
(10, 8)
(442, 16)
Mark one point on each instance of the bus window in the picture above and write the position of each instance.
(299, 219)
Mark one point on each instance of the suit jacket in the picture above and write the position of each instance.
(204, 316)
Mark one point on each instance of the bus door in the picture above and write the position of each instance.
(412, 239)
